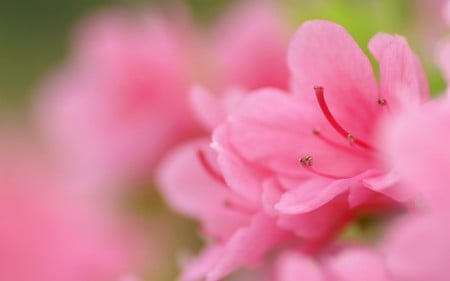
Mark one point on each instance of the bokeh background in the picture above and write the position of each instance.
(34, 35)
(35, 39)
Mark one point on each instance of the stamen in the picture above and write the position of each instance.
(207, 166)
(350, 149)
(326, 111)
(307, 162)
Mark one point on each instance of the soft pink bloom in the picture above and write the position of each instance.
(418, 248)
(416, 146)
(348, 263)
(333, 133)
(48, 232)
(257, 178)
(120, 102)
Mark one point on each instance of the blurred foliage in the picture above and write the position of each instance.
(33, 34)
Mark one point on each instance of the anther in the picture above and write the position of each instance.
(329, 116)
(381, 101)
(350, 138)
(306, 160)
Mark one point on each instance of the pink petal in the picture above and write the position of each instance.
(317, 192)
(293, 266)
(245, 248)
(416, 146)
(418, 249)
(271, 129)
(389, 185)
(357, 263)
(399, 69)
(321, 223)
(211, 110)
(190, 190)
(244, 180)
(208, 109)
(248, 246)
(323, 53)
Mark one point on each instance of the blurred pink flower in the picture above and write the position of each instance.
(418, 248)
(334, 133)
(49, 232)
(121, 101)
(348, 263)
(415, 144)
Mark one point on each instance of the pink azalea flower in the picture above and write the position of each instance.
(257, 187)
(48, 232)
(330, 123)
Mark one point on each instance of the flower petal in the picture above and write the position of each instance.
(323, 53)
(399, 69)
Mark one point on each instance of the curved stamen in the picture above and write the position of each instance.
(307, 162)
(326, 111)
(208, 168)
(350, 149)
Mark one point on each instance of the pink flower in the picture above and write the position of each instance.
(120, 102)
(48, 232)
(257, 186)
(334, 132)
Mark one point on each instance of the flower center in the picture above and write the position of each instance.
(355, 143)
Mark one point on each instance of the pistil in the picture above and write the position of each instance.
(329, 116)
